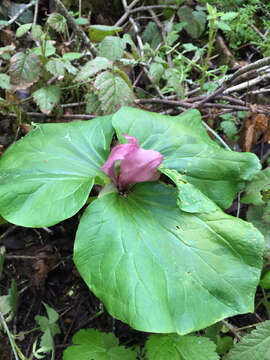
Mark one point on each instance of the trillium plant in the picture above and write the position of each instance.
(155, 245)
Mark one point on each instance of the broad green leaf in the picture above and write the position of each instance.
(175, 347)
(23, 30)
(190, 199)
(98, 32)
(265, 281)
(56, 67)
(92, 67)
(187, 148)
(25, 69)
(94, 345)
(254, 346)
(47, 97)
(112, 48)
(258, 188)
(164, 270)
(5, 82)
(114, 91)
(47, 176)
(58, 22)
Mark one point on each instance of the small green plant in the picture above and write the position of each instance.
(148, 250)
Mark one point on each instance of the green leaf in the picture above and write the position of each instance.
(5, 82)
(175, 347)
(254, 346)
(23, 30)
(24, 70)
(98, 32)
(47, 176)
(156, 71)
(92, 67)
(27, 15)
(114, 91)
(257, 187)
(58, 22)
(8, 303)
(112, 48)
(255, 215)
(93, 105)
(49, 328)
(228, 16)
(49, 49)
(152, 35)
(36, 32)
(187, 148)
(155, 261)
(94, 345)
(194, 21)
(56, 67)
(72, 56)
(47, 97)
(265, 281)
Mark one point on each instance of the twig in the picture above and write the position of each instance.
(232, 329)
(19, 13)
(247, 84)
(231, 80)
(75, 27)
(45, 116)
(36, 13)
(127, 12)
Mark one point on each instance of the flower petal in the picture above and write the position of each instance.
(138, 166)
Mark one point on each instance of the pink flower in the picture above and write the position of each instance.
(136, 164)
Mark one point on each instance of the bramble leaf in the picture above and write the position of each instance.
(47, 97)
(254, 346)
(94, 345)
(25, 69)
(114, 91)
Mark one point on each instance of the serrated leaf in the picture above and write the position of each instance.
(229, 128)
(228, 16)
(92, 67)
(5, 82)
(27, 15)
(23, 30)
(37, 32)
(59, 162)
(155, 261)
(56, 67)
(114, 92)
(187, 148)
(94, 345)
(175, 347)
(58, 22)
(256, 188)
(47, 97)
(98, 32)
(25, 69)
(112, 48)
(254, 346)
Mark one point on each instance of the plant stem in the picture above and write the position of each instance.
(210, 47)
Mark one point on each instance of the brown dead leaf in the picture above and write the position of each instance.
(254, 125)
